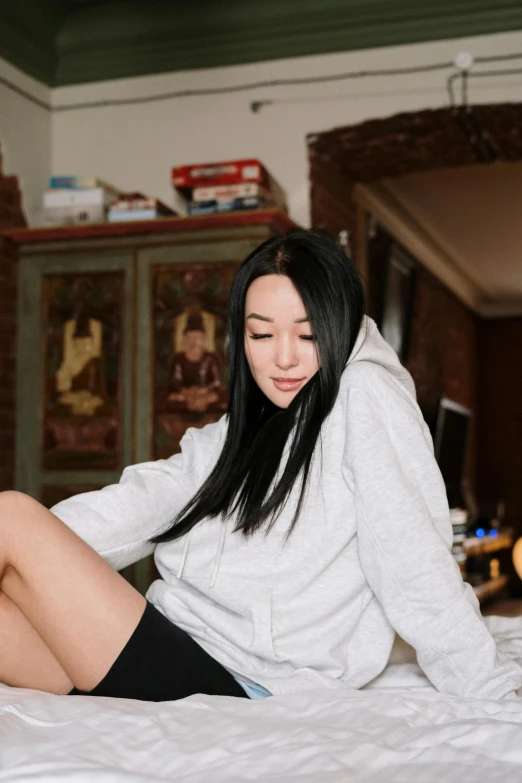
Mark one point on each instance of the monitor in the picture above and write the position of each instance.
(451, 441)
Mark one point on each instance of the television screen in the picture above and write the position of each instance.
(451, 440)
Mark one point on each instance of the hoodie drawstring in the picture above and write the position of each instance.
(217, 561)
(184, 555)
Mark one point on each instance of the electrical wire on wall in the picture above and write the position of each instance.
(463, 62)
(485, 147)
(462, 74)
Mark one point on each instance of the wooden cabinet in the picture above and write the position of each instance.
(120, 343)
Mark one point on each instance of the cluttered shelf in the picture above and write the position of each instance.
(481, 565)
(477, 548)
(494, 542)
(209, 195)
(278, 220)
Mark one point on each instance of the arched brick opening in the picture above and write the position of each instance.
(402, 144)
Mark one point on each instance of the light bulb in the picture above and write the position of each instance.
(464, 61)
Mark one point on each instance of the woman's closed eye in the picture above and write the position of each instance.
(308, 337)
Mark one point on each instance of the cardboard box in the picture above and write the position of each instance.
(73, 182)
(90, 197)
(228, 192)
(235, 205)
(124, 216)
(233, 172)
(73, 215)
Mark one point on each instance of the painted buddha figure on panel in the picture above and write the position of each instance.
(195, 377)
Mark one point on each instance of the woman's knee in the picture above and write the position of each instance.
(17, 514)
(14, 503)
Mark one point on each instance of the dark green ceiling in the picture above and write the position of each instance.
(75, 41)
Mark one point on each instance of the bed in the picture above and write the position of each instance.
(397, 730)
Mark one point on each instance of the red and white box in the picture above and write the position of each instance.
(229, 192)
(186, 179)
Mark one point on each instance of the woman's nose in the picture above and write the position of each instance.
(286, 355)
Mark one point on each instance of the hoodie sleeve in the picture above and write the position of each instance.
(118, 520)
(404, 539)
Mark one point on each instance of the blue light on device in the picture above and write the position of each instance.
(480, 532)
(493, 533)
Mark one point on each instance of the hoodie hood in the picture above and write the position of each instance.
(371, 346)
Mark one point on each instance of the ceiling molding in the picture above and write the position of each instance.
(64, 42)
(376, 199)
(28, 30)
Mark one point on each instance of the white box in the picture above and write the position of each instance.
(75, 198)
(74, 215)
(227, 192)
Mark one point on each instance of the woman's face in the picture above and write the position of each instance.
(279, 345)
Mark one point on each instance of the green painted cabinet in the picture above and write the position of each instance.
(120, 345)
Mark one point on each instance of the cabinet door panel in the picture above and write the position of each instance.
(75, 372)
(182, 374)
(189, 367)
(82, 416)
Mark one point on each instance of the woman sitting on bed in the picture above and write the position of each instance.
(294, 537)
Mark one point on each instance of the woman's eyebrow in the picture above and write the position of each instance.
(271, 320)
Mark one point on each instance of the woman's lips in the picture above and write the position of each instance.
(287, 384)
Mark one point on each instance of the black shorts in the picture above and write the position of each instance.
(160, 662)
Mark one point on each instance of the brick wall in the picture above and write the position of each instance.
(11, 216)
(499, 413)
(443, 343)
(331, 199)
(442, 354)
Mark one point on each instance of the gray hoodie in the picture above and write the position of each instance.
(369, 554)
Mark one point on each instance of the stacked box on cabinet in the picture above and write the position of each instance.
(228, 186)
(73, 200)
(136, 206)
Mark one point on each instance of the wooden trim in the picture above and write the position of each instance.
(500, 308)
(360, 245)
(271, 217)
(395, 219)
(136, 242)
(378, 200)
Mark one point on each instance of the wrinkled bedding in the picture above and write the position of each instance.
(397, 730)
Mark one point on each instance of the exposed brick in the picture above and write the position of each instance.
(430, 139)
(499, 447)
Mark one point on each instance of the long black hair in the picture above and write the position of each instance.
(245, 481)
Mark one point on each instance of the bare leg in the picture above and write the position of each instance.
(80, 607)
(25, 661)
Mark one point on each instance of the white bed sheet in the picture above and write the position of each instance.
(399, 730)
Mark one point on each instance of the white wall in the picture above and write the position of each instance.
(25, 135)
(135, 146)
